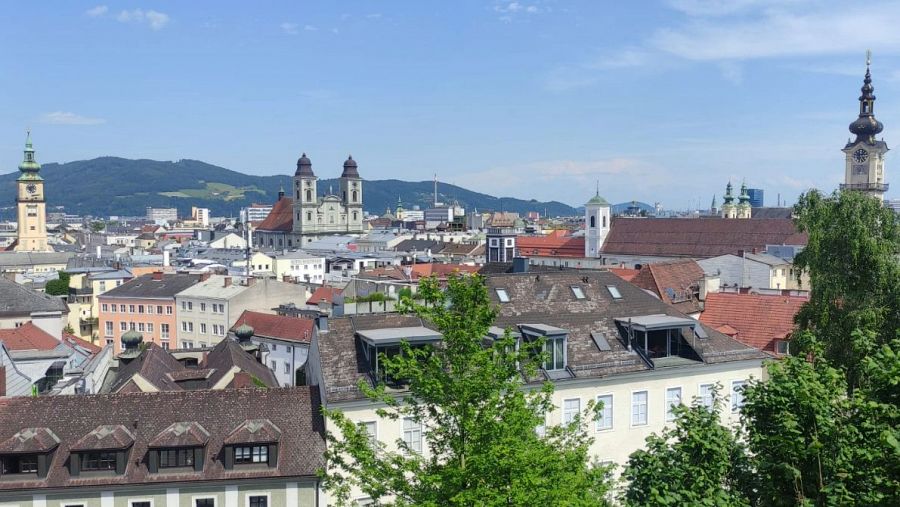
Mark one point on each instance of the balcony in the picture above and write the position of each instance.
(865, 187)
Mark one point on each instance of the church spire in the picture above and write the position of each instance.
(866, 126)
(29, 166)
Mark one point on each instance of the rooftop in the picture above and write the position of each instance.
(214, 287)
(153, 286)
(28, 337)
(281, 218)
(145, 419)
(753, 319)
(16, 299)
(278, 327)
(675, 282)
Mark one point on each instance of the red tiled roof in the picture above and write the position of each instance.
(78, 342)
(417, 271)
(275, 326)
(326, 293)
(624, 273)
(673, 282)
(756, 320)
(281, 218)
(557, 244)
(706, 237)
(28, 337)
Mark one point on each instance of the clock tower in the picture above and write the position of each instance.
(864, 169)
(32, 212)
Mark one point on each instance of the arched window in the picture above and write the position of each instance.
(354, 196)
(593, 221)
(604, 221)
(309, 215)
(354, 216)
(308, 195)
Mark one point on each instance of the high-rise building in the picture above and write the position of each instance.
(864, 168)
(162, 215)
(32, 208)
(757, 197)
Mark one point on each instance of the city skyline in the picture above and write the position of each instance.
(522, 99)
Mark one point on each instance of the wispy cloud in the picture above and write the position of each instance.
(374, 15)
(509, 10)
(97, 11)
(68, 118)
(310, 28)
(290, 28)
(154, 19)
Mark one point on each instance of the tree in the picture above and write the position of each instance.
(97, 226)
(697, 461)
(851, 259)
(58, 287)
(479, 420)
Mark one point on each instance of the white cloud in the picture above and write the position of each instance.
(374, 15)
(509, 9)
(68, 118)
(155, 19)
(714, 8)
(310, 28)
(97, 11)
(289, 28)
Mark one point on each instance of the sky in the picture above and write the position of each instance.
(658, 101)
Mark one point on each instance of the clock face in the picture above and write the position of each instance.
(860, 155)
(31, 188)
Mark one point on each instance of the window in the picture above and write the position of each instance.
(141, 503)
(258, 501)
(782, 347)
(673, 398)
(163, 330)
(274, 348)
(149, 327)
(605, 420)
(251, 454)
(202, 307)
(130, 308)
(165, 345)
(593, 222)
(141, 327)
(159, 309)
(123, 326)
(371, 429)
(171, 458)
(102, 286)
(412, 434)
(98, 461)
(204, 502)
(105, 307)
(202, 328)
(571, 409)
(121, 308)
(274, 365)
(19, 464)
(112, 309)
(184, 325)
(614, 291)
(556, 350)
(502, 295)
(109, 329)
(639, 408)
(706, 395)
(169, 310)
(140, 308)
(132, 326)
(737, 395)
(578, 292)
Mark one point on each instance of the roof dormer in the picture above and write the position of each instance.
(252, 444)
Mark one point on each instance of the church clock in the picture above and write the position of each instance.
(860, 156)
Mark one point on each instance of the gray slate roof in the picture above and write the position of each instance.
(16, 299)
(146, 287)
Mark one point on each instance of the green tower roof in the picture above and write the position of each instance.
(29, 166)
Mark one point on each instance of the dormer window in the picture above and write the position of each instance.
(19, 464)
(27, 454)
(174, 458)
(253, 443)
(98, 461)
(102, 451)
(247, 454)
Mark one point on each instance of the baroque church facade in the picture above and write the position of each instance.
(31, 235)
(307, 215)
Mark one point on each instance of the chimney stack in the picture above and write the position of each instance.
(158, 276)
(227, 282)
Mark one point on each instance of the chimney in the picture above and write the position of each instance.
(204, 276)
(166, 260)
(322, 322)
(158, 276)
(227, 282)
(740, 253)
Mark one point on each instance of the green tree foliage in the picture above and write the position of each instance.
(58, 287)
(479, 421)
(696, 461)
(851, 259)
(97, 226)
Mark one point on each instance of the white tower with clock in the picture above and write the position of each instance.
(864, 169)
(32, 211)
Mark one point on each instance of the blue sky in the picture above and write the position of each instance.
(659, 101)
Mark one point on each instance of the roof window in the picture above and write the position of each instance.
(502, 295)
(578, 292)
(614, 291)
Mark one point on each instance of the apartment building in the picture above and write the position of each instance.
(208, 309)
(145, 304)
(607, 341)
(286, 340)
(231, 448)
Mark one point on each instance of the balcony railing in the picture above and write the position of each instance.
(872, 187)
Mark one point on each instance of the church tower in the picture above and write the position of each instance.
(306, 200)
(864, 169)
(596, 225)
(351, 195)
(729, 210)
(744, 209)
(32, 211)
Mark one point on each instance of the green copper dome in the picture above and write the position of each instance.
(132, 339)
(29, 166)
(597, 200)
(244, 332)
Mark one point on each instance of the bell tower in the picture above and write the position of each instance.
(596, 224)
(864, 169)
(32, 211)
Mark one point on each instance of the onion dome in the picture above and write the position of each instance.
(132, 340)
(744, 198)
(304, 167)
(728, 199)
(244, 332)
(350, 168)
(29, 166)
(866, 126)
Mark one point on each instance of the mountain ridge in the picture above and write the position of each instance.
(82, 187)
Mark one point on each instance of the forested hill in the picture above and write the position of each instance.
(117, 186)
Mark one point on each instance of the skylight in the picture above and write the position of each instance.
(614, 292)
(502, 295)
(576, 290)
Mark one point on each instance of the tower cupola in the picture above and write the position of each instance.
(350, 168)
(304, 167)
(865, 127)
(29, 166)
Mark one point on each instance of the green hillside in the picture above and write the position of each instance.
(117, 186)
